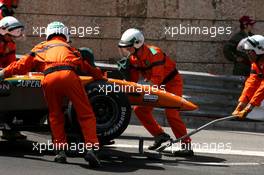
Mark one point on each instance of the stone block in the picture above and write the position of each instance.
(69, 7)
(259, 10)
(163, 8)
(216, 9)
(132, 8)
(109, 50)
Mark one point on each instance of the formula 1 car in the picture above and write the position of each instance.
(22, 104)
(23, 107)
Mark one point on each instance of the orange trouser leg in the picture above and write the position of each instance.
(176, 124)
(85, 114)
(173, 116)
(67, 84)
(56, 116)
(147, 120)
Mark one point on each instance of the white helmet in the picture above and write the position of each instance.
(10, 25)
(131, 38)
(57, 28)
(255, 42)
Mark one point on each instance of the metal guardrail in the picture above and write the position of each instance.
(216, 95)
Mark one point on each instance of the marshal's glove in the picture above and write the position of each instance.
(239, 108)
(242, 114)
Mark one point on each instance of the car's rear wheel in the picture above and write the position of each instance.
(112, 111)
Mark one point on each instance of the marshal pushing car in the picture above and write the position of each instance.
(23, 107)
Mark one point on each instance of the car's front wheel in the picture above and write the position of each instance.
(112, 111)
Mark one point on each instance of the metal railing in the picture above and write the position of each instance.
(216, 95)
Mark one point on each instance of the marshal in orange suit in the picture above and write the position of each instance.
(59, 63)
(157, 68)
(253, 93)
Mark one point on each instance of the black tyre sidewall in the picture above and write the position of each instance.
(118, 122)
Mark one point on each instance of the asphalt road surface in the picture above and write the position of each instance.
(216, 152)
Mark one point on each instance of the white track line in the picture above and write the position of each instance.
(225, 152)
(226, 164)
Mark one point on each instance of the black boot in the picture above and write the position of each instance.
(158, 140)
(186, 151)
(92, 158)
(60, 157)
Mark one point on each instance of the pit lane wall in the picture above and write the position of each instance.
(105, 20)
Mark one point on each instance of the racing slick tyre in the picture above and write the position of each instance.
(112, 111)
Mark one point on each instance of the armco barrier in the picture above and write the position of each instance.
(216, 95)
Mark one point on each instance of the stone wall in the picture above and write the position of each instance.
(193, 52)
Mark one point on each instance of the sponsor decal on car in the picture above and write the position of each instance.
(29, 83)
(150, 98)
(5, 86)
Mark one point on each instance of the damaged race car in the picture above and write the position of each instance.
(23, 107)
